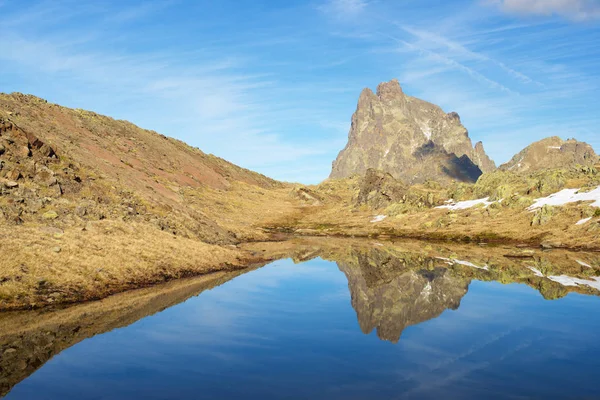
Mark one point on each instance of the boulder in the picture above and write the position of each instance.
(10, 184)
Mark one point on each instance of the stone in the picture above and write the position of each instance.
(34, 205)
(56, 249)
(409, 138)
(23, 151)
(2, 149)
(80, 211)
(10, 184)
(14, 175)
(50, 215)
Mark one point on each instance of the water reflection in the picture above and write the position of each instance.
(282, 321)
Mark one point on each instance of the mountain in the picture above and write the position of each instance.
(409, 138)
(552, 152)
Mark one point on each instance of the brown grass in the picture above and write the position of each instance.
(39, 268)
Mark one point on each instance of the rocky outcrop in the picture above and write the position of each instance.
(379, 189)
(552, 152)
(485, 163)
(409, 138)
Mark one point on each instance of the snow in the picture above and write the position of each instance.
(461, 262)
(518, 164)
(536, 271)
(554, 147)
(426, 130)
(584, 221)
(568, 196)
(463, 205)
(565, 280)
(427, 290)
(386, 153)
(583, 264)
(570, 281)
(379, 218)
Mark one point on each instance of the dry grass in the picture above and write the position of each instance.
(39, 268)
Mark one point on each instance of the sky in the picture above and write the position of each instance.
(271, 85)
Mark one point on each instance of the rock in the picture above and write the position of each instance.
(14, 175)
(10, 184)
(56, 249)
(80, 211)
(411, 139)
(378, 189)
(552, 152)
(9, 351)
(50, 215)
(23, 151)
(2, 149)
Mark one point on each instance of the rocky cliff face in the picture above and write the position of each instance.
(409, 138)
(552, 152)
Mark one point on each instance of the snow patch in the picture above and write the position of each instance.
(583, 264)
(463, 205)
(554, 147)
(584, 221)
(461, 262)
(426, 130)
(536, 271)
(379, 218)
(570, 281)
(427, 290)
(566, 196)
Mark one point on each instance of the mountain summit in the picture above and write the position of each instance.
(551, 152)
(409, 138)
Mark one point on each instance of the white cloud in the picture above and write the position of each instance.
(578, 10)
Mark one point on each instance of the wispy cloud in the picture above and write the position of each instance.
(344, 9)
(577, 10)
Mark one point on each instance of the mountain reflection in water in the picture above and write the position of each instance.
(392, 286)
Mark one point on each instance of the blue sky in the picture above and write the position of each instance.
(271, 85)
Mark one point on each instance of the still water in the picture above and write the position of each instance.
(333, 330)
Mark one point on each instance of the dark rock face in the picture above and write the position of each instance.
(390, 132)
(552, 152)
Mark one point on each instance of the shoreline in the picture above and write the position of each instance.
(248, 258)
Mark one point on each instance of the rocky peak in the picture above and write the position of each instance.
(390, 91)
(388, 130)
(453, 116)
(552, 152)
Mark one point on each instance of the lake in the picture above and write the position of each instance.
(332, 320)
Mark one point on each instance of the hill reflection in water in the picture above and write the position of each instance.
(391, 286)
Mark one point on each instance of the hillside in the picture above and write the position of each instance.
(90, 205)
